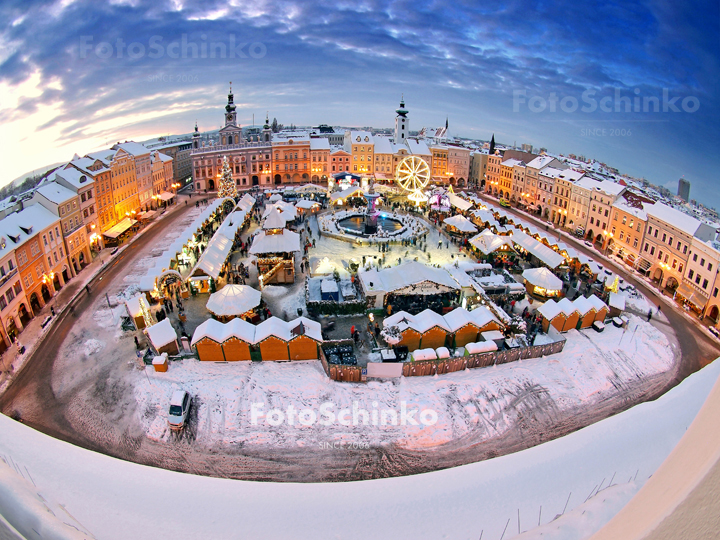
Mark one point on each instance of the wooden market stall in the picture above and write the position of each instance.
(163, 337)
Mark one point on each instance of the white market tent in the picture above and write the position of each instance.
(218, 249)
(461, 223)
(305, 204)
(287, 210)
(487, 242)
(147, 282)
(406, 275)
(311, 188)
(233, 300)
(540, 251)
(274, 220)
(246, 202)
(543, 278)
(287, 242)
(460, 204)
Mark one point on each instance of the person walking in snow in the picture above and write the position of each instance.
(649, 314)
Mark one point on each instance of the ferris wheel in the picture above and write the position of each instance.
(413, 174)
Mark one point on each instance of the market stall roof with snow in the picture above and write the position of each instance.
(542, 281)
(233, 300)
(460, 224)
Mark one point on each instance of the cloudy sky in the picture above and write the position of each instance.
(631, 84)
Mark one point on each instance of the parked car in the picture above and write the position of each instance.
(504, 202)
(179, 408)
(588, 243)
(714, 331)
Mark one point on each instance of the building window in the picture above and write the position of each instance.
(705, 284)
(691, 273)
(694, 257)
(3, 304)
(10, 295)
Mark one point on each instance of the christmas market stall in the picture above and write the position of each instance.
(459, 225)
(163, 337)
(486, 243)
(305, 206)
(234, 301)
(139, 312)
(287, 211)
(298, 339)
(228, 342)
(536, 250)
(466, 326)
(430, 330)
(274, 248)
(578, 314)
(180, 254)
(213, 261)
(542, 282)
(410, 286)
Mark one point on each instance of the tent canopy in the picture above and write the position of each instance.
(233, 300)
(542, 277)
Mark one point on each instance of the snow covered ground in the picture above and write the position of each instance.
(53, 489)
(472, 405)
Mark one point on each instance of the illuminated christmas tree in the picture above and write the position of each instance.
(226, 187)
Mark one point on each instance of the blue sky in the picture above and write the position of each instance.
(68, 85)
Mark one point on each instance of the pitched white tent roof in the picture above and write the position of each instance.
(274, 221)
(539, 250)
(218, 249)
(461, 223)
(404, 275)
(459, 203)
(542, 277)
(287, 242)
(306, 204)
(487, 242)
(233, 300)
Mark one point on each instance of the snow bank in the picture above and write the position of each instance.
(115, 499)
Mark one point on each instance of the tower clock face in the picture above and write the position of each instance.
(229, 117)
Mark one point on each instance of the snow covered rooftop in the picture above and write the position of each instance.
(673, 217)
(55, 193)
(19, 227)
(540, 162)
(319, 143)
(459, 202)
(451, 322)
(287, 242)
(405, 275)
(542, 277)
(306, 204)
(161, 334)
(273, 220)
(538, 249)
(461, 223)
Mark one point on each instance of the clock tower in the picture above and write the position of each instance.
(230, 114)
(402, 124)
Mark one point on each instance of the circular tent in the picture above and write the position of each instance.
(542, 282)
(233, 301)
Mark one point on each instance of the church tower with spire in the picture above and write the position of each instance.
(402, 124)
